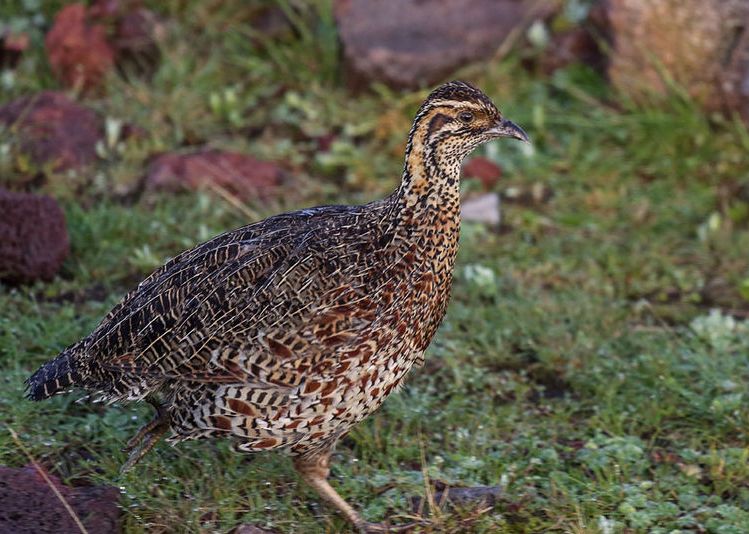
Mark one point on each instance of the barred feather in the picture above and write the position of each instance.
(54, 377)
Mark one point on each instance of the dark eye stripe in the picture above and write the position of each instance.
(437, 122)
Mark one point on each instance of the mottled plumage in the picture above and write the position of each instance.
(285, 333)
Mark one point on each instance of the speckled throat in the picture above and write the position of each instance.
(426, 214)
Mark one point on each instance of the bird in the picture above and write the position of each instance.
(285, 333)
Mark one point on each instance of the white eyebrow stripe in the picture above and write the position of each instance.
(455, 103)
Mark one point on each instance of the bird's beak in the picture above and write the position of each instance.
(507, 128)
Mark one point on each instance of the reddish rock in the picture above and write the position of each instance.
(411, 44)
(700, 45)
(239, 174)
(53, 129)
(483, 169)
(28, 505)
(35, 237)
(77, 49)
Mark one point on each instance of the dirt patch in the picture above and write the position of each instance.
(29, 505)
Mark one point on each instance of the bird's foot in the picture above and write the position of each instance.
(143, 431)
(146, 441)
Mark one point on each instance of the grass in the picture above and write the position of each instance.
(594, 358)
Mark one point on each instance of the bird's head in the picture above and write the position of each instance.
(456, 118)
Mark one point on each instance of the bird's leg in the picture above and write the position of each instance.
(314, 470)
(147, 436)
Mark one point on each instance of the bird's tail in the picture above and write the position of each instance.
(55, 376)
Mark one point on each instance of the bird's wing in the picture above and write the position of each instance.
(264, 304)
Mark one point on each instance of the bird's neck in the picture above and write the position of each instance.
(429, 193)
(426, 227)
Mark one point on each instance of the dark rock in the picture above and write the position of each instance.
(411, 44)
(35, 237)
(702, 46)
(28, 505)
(484, 169)
(238, 174)
(53, 129)
(78, 50)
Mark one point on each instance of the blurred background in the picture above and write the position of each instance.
(591, 373)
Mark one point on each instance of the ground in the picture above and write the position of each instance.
(594, 359)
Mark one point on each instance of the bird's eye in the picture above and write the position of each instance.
(465, 116)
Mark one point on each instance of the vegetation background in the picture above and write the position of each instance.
(594, 359)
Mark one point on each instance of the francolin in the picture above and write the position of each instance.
(285, 333)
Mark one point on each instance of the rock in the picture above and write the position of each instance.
(54, 130)
(35, 237)
(484, 209)
(703, 46)
(484, 169)
(78, 51)
(238, 174)
(412, 44)
(29, 506)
